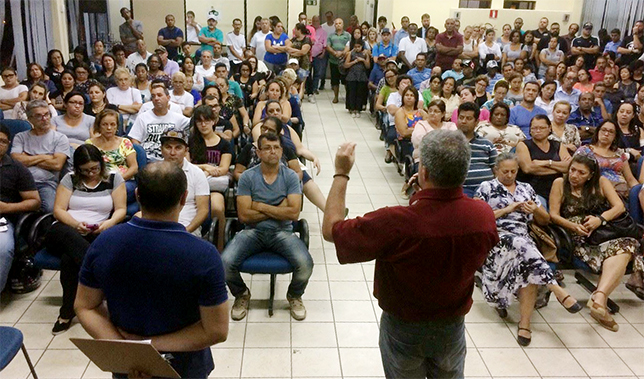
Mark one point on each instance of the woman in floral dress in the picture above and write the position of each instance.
(515, 266)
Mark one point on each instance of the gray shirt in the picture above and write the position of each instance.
(77, 134)
(48, 144)
(252, 183)
(126, 32)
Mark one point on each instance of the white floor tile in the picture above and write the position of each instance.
(348, 311)
(491, 335)
(36, 336)
(508, 362)
(357, 334)
(634, 359)
(361, 362)
(578, 335)
(18, 368)
(474, 365)
(266, 363)
(601, 362)
(554, 362)
(227, 362)
(349, 290)
(11, 311)
(56, 364)
(42, 312)
(315, 362)
(313, 334)
(268, 335)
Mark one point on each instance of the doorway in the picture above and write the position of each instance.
(340, 8)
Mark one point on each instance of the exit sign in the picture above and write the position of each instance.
(494, 13)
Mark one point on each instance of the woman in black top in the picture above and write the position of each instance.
(247, 83)
(624, 117)
(540, 159)
(55, 67)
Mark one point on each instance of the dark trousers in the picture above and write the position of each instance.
(234, 68)
(357, 94)
(65, 242)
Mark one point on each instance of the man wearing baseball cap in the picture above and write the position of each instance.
(384, 47)
(586, 45)
(170, 67)
(209, 34)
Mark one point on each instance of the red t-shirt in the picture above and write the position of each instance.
(426, 253)
(445, 61)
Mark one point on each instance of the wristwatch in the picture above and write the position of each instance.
(604, 222)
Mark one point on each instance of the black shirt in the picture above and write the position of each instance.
(14, 178)
(589, 59)
(561, 43)
(627, 43)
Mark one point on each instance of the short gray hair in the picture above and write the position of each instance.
(505, 157)
(445, 154)
(35, 104)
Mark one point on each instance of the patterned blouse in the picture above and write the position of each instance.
(612, 168)
(116, 159)
(570, 136)
(497, 196)
(503, 139)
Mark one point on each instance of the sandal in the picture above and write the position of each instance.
(601, 315)
(638, 291)
(524, 341)
(503, 313)
(576, 307)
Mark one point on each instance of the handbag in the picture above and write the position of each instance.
(622, 226)
(544, 241)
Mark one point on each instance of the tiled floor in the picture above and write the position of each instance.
(339, 338)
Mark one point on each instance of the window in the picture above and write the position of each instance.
(518, 4)
(475, 4)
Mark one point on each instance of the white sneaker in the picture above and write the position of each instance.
(240, 307)
(298, 311)
(311, 99)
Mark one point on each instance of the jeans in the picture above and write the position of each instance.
(249, 242)
(276, 68)
(432, 349)
(47, 192)
(7, 245)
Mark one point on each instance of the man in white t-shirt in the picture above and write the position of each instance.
(257, 42)
(410, 46)
(329, 26)
(236, 43)
(141, 55)
(192, 29)
(174, 147)
(206, 69)
(179, 95)
(149, 126)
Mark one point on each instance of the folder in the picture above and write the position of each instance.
(121, 356)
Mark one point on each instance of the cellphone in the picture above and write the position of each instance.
(92, 226)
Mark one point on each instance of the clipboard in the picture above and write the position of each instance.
(120, 356)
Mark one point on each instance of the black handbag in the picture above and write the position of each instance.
(622, 226)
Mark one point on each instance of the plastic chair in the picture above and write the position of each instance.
(42, 258)
(12, 343)
(268, 262)
(15, 127)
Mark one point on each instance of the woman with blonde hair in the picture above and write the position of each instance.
(127, 99)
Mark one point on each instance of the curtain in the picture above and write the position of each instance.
(31, 23)
(593, 11)
(2, 8)
(613, 14)
(73, 19)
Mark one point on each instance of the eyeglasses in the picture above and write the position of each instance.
(91, 170)
(537, 128)
(607, 131)
(271, 148)
(41, 116)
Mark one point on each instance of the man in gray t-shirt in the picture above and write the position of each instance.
(130, 31)
(268, 201)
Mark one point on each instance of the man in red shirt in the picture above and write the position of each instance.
(449, 45)
(426, 256)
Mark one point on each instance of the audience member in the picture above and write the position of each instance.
(210, 34)
(522, 113)
(546, 99)
(37, 91)
(130, 31)
(483, 152)
(632, 45)
(74, 124)
(449, 45)
(257, 41)
(12, 92)
(586, 46)
(586, 118)
(141, 55)
(563, 132)
(335, 44)
(277, 44)
(170, 37)
(502, 135)
(357, 64)
(409, 47)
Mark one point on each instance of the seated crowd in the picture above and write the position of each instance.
(554, 122)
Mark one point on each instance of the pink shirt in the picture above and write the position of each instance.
(422, 127)
(319, 45)
(483, 116)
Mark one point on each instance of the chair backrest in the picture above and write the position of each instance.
(141, 157)
(15, 127)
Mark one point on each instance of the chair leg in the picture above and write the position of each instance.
(272, 295)
(31, 366)
(588, 285)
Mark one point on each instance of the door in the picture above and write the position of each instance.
(340, 8)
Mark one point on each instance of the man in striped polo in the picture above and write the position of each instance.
(483, 151)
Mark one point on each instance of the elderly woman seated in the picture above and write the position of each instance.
(515, 266)
(504, 136)
(581, 202)
(612, 161)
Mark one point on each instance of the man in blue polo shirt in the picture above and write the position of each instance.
(522, 113)
(420, 73)
(586, 118)
(170, 289)
(483, 151)
(385, 47)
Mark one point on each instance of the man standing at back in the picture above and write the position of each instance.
(130, 31)
(424, 273)
(449, 45)
(335, 44)
(170, 37)
(170, 289)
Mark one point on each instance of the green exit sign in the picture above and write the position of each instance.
(311, 2)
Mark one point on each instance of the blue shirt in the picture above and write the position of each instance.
(252, 183)
(483, 158)
(577, 119)
(216, 34)
(156, 287)
(171, 34)
(572, 97)
(376, 75)
(453, 74)
(521, 117)
(389, 51)
(418, 77)
(490, 87)
(400, 34)
(280, 58)
(612, 46)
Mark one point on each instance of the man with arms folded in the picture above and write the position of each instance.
(424, 273)
(170, 289)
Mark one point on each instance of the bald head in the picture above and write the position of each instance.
(153, 192)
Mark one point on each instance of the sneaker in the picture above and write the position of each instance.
(61, 327)
(311, 99)
(240, 307)
(298, 311)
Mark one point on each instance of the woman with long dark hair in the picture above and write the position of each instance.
(581, 202)
(55, 67)
(89, 201)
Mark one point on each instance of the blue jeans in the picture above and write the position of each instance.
(7, 245)
(319, 71)
(432, 349)
(47, 192)
(253, 241)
